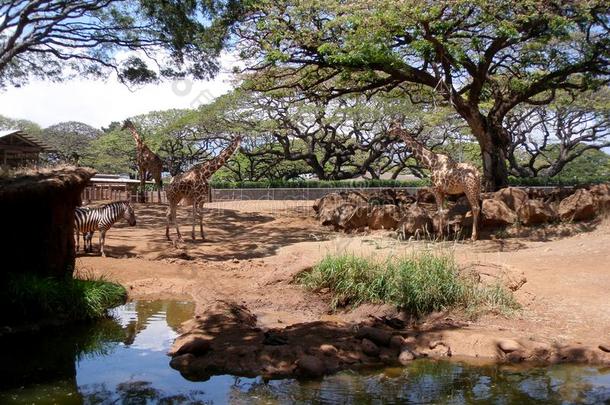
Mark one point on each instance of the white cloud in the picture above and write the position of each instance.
(98, 102)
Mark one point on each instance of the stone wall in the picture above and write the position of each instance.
(37, 209)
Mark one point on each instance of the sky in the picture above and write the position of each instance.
(99, 102)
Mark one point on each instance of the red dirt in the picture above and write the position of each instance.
(254, 249)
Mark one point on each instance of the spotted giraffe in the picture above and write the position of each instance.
(148, 162)
(447, 176)
(193, 187)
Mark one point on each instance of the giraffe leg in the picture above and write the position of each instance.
(473, 199)
(439, 196)
(194, 216)
(201, 222)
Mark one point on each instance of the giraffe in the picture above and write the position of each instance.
(447, 176)
(148, 162)
(193, 187)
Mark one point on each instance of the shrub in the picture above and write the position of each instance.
(419, 283)
(29, 297)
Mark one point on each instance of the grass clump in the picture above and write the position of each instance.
(26, 298)
(420, 283)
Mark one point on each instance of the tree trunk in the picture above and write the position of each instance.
(494, 141)
(495, 172)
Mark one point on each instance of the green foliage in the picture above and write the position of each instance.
(112, 152)
(27, 297)
(420, 283)
(26, 126)
(71, 141)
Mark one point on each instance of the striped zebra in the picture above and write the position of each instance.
(88, 220)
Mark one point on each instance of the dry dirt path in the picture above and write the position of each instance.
(253, 251)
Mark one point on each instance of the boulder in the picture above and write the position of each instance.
(495, 213)
(509, 346)
(406, 356)
(383, 217)
(578, 206)
(601, 196)
(376, 335)
(192, 344)
(327, 206)
(329, 350)
(512, 197)
(534, 212)
(369, 348)
(382, 197)
(415, 221)
(350, 217)
(424, 195)
(310, 366)
(403, 198)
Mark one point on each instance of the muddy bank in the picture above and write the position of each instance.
(227, 339)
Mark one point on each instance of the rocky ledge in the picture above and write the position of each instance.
(226, 340)
(416, 215)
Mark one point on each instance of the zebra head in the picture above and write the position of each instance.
(129, 214)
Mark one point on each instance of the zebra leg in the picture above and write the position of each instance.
(78, 241)
(102, 240)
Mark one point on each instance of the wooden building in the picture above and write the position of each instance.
(20, 149)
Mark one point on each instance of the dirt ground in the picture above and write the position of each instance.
(254, 249)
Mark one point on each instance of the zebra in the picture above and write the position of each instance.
(88, 220)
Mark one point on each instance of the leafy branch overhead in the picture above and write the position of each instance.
(139, 41)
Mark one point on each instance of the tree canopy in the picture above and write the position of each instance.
(140, 41)
(482, 58)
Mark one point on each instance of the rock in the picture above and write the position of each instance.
(387, 355)
(496, 213)
(369, 348)
(327, 206)
(310, 366)
(376, 335)
(383, 197)
(182, 361)
(415, 222)
(403, 198)
(406, 356)
(396, 342)
(351, 217)
(508, 346)
(604, 348)
(512, 197)
(383, 217)
(578, 206)
(601, 196)
(329, 350)
(424, 195)
(534, 212)
(194, 345)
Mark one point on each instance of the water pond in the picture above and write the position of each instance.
(123, 360)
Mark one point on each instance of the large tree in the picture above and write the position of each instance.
(71, 141)
(483, 58)
(139, 40)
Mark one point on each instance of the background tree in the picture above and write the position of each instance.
(27, 126)
(481, 58)
(547, 138)
(71, 141)
(140, 41)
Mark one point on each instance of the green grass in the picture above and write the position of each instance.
(26, 298)
(419, 284)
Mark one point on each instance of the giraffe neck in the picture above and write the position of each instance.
(211, 166)
(423, 155)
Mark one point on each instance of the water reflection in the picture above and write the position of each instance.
(123, 360)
